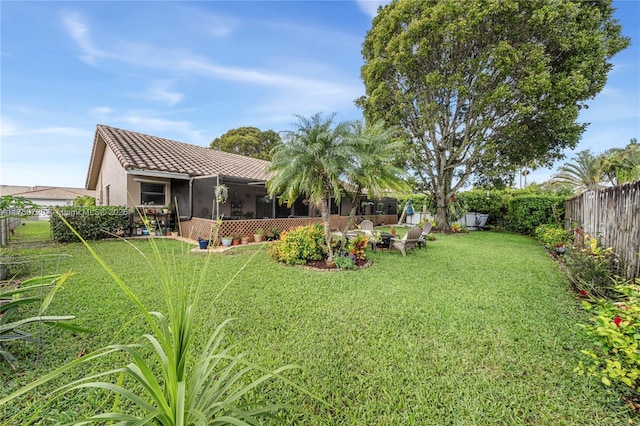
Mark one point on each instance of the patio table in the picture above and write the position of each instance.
(385, 242)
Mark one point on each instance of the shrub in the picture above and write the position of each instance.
(551, 236)
(528, 212)
(613, 329)
(591, 267)
(92, 223)
(345, 261)
(300, 245)
(493, 203)
(358, 245)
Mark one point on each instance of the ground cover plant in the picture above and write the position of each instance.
(479, 329)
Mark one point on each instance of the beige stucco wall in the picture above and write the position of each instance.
(115, 177)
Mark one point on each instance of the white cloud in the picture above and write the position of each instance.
(101, 111)
(160, 92)
(370, 7)
(79, 31)
(11, 129)
(149, 122)
(179, 61)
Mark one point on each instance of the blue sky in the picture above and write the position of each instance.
(190, 71)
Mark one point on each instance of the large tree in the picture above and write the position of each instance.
(249, 141)
(482, 85)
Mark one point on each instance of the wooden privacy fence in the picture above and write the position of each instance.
(613, 216)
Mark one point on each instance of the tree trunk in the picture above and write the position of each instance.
(326, 219)
(442, 221)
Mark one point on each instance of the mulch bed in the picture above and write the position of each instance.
(321, 265)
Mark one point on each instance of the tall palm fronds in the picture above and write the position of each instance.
(311, 162)
(622, 165)
(373, 149)
(585, 173)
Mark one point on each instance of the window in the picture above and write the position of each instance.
(152, 193)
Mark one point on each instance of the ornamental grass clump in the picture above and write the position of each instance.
(169, 379)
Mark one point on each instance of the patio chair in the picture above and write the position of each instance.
(482, 221)
(409, 241)
(426, 228)
(366, 226)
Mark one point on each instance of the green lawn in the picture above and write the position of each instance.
(480, 329)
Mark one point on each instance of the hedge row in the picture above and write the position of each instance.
(92, 223)
(519, 210)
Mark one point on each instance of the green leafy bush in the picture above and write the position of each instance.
(345, 261)
(613, 329)
(92, 223)
(591, 267)
(493, 202)
(300, 245)
(526, 213)
(552, 236)
(358, 245)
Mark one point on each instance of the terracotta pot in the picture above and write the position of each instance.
(244, 240)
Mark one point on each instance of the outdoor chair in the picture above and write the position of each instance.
(409, 241)
(482, 221)
(366, 226)
(426, 228)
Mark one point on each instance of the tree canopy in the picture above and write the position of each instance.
(249, 141)
(481, 86)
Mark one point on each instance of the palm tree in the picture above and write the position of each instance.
(310, 162)
(622, 165)
(585, 173)
(373, 149)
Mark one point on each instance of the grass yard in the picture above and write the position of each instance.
(480, 329)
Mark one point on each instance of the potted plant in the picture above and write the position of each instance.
(244, 239)
(222, 193)
(167, 209)
(258, 235)
(275, 233)
(235, 239)
(226, 241)
(202, 243)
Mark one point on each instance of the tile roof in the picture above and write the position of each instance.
(45, 192)
(145, 152)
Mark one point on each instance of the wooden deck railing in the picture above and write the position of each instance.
(201, 228)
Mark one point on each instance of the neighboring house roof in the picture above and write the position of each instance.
(45, 192)
(137, 151)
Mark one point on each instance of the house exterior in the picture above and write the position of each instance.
(46, 196)
(137, 170)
